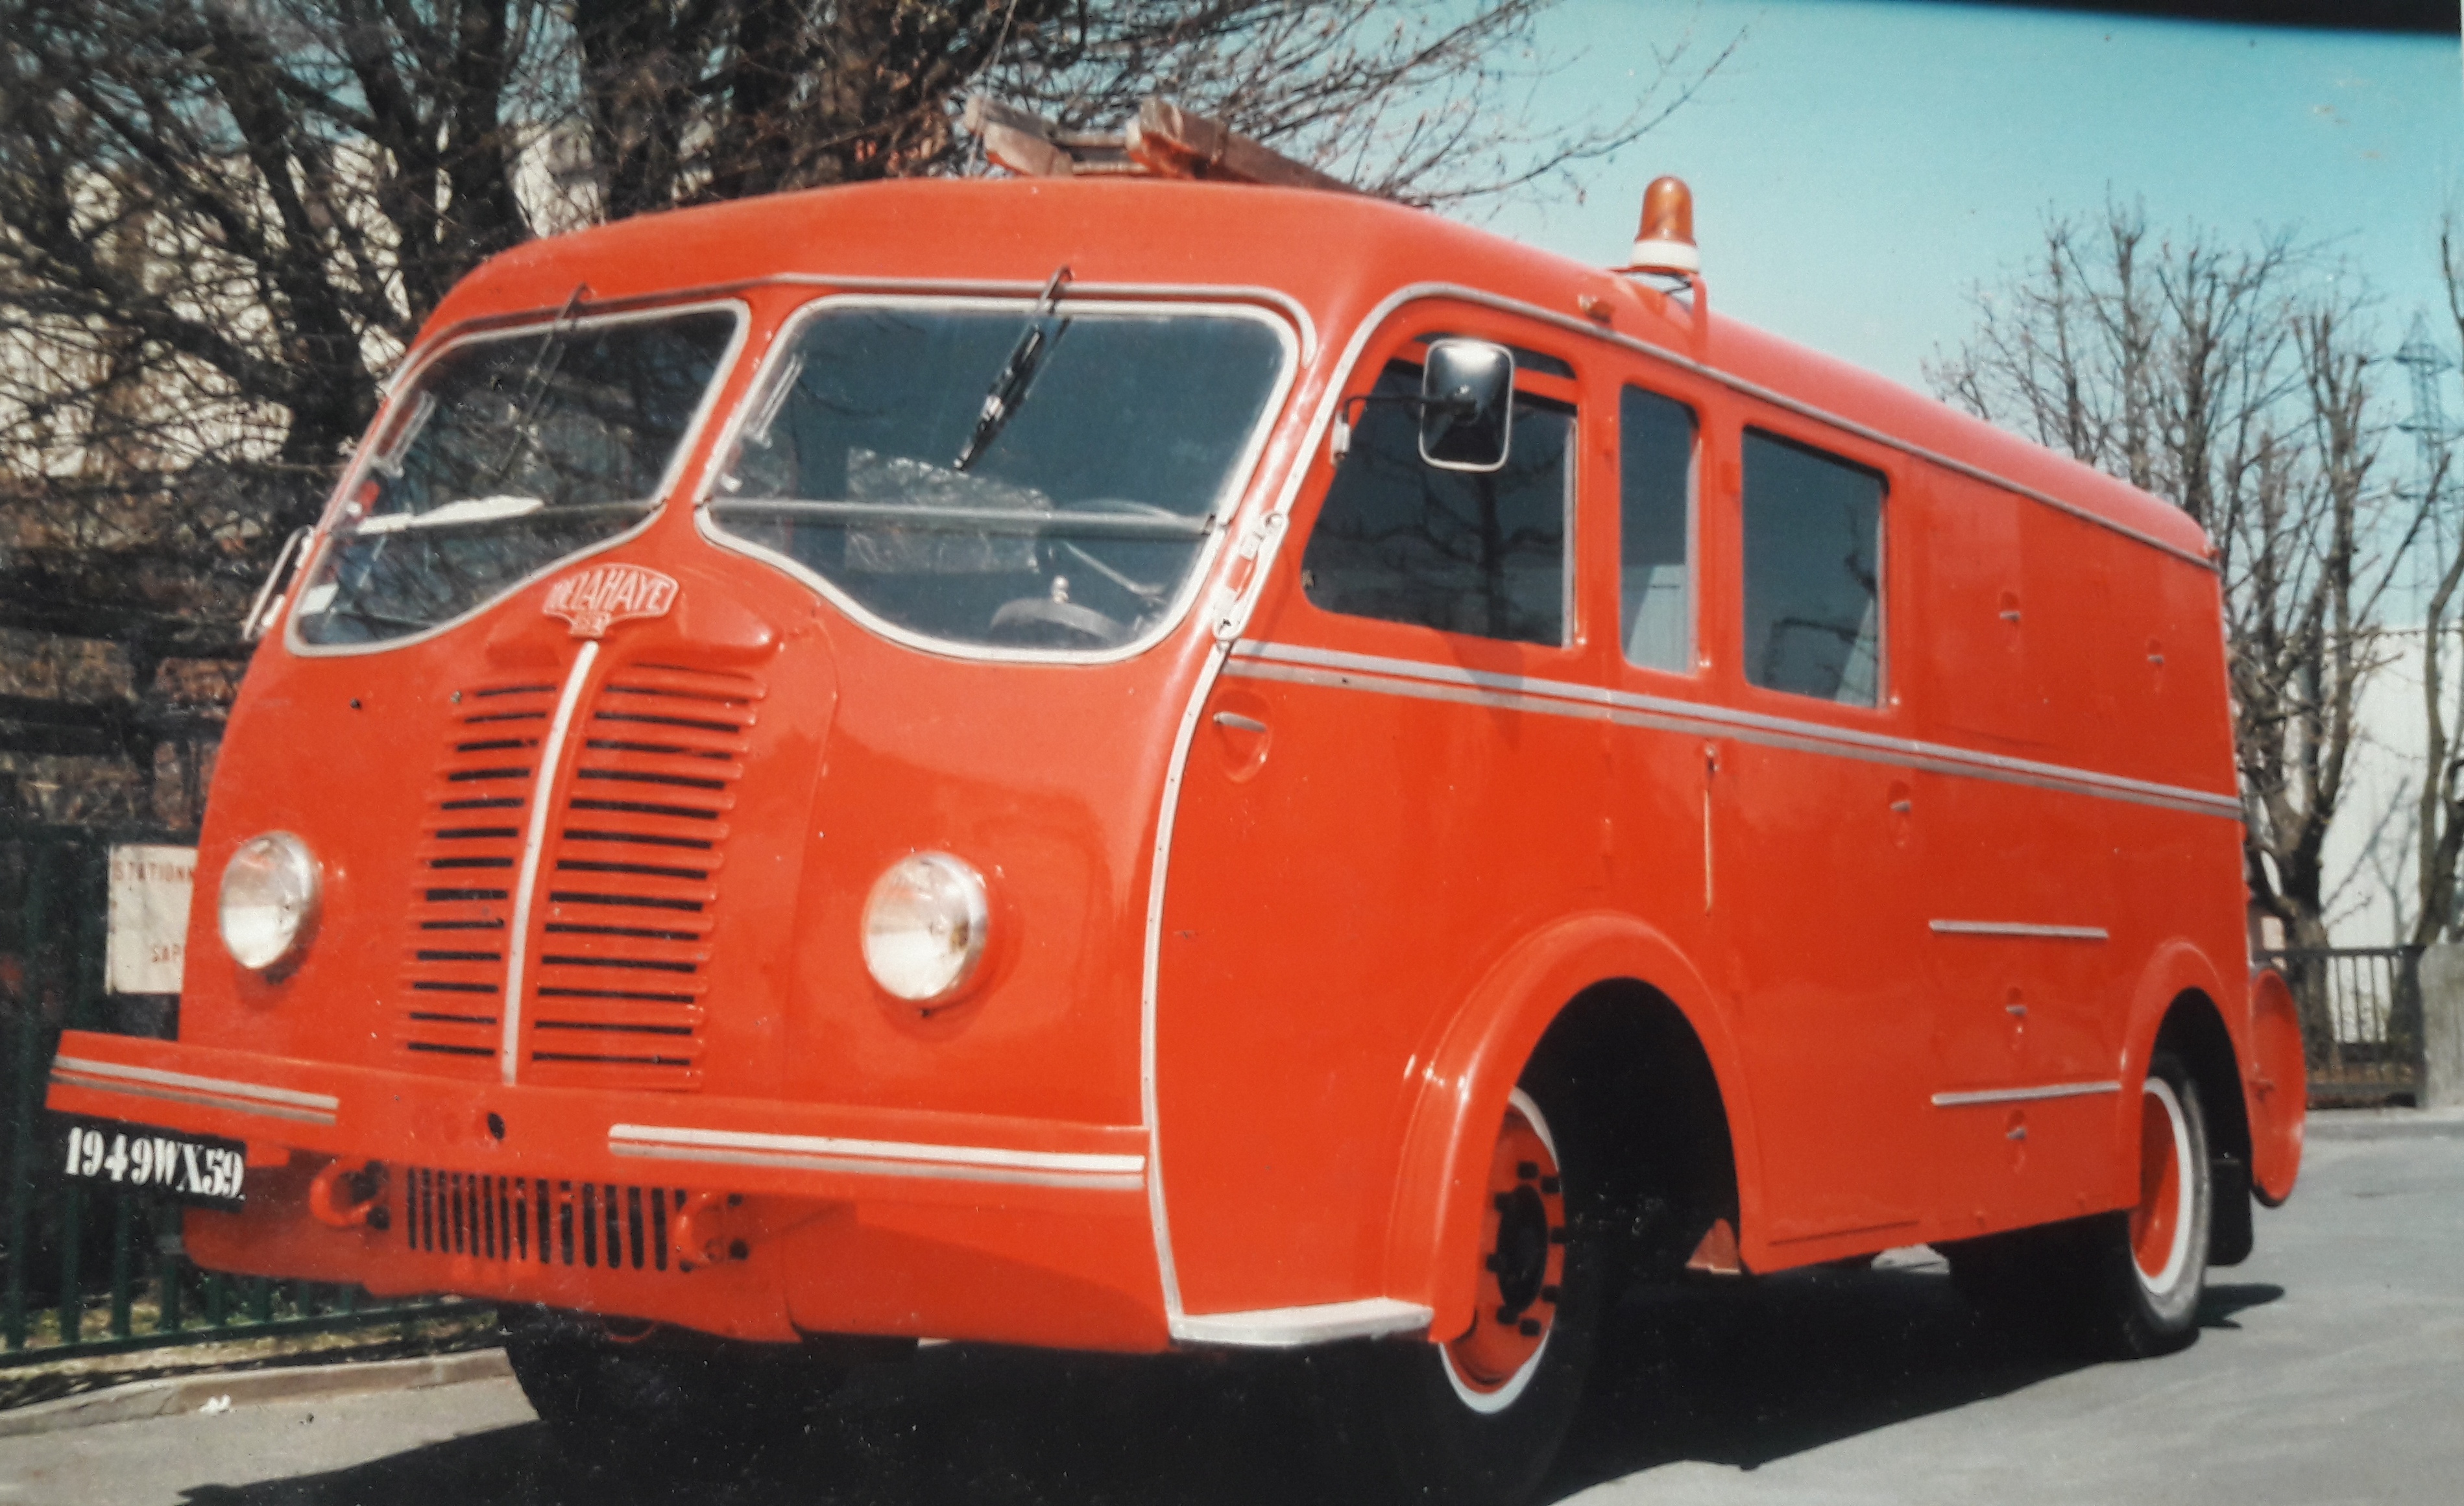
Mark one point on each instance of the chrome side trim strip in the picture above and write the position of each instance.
(534, 844)
(181, 1087)
(1290, 1328)
(1091, 1170)
(229, 1086)
(2023, 1095)
(1416, 677)
(1952, 927)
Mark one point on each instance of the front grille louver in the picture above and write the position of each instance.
(629, 884)
(535, 1221)
(469, 850)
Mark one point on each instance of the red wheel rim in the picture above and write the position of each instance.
(1523, 1260)
(2156, 1223)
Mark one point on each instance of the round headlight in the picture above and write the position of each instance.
(269, 900)
(924, 926)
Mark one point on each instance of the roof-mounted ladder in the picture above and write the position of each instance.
(1164, 141)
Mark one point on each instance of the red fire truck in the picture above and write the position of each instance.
(1125, 758)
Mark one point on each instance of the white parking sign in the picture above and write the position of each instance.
(149, 917)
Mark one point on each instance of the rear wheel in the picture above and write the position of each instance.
(2126, 1283)
(2157, 1268)
(1479, 1416)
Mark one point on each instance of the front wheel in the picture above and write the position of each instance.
(661, 1405)
(1479, 1416)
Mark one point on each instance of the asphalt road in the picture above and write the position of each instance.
(2331, 1369)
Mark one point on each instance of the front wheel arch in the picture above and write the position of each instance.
(1581, 974)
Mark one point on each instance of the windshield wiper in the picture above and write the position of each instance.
(536, 380)
(468, 510)
(1017, 374)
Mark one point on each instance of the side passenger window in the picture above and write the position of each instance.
(1814, 549)
(1655, 531)
(1460, 552)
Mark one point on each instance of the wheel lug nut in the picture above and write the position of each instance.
(1549, 1295)
(1528, 1171)
(1531, 1328)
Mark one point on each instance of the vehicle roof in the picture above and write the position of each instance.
(1338, 255)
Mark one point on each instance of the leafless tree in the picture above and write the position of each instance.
(2440, 819)
(2241, 381)
(222, 220)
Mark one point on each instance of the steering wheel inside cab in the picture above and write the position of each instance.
(1063, 617)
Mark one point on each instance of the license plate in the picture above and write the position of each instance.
(204, 1169)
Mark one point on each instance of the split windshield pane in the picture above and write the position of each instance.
(1074, 522)
(506, 454)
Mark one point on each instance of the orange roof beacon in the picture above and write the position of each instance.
(1136, 756)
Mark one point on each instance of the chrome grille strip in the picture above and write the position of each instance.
(534, 843)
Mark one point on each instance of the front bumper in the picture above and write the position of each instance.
(748, 1217)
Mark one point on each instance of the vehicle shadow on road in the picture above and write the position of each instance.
(1737, 1375)
(1744, 1373)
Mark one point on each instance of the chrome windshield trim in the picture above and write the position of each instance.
(330, 531)
(1084, 298)
(1019, 291)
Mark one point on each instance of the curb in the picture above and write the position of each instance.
(142, 1400)
(2387, 1124)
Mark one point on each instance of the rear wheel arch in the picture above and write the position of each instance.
(2195, 1032)
(2177, 971)
(1655, 1064)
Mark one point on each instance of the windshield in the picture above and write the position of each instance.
(508, 453)
(1074, 523)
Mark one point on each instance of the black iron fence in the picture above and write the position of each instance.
(87, 1271)
(2360, 1021)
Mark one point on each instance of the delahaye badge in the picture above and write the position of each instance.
(601, 596)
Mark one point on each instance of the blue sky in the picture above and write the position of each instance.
(1858, 164)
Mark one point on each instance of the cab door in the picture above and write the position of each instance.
(1397, 776)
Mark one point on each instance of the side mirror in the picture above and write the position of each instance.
(1466, 406)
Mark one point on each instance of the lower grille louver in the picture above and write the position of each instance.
(532, 1220)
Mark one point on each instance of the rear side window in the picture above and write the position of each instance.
(1479, 554)
(1814, 550)
(1655, 531)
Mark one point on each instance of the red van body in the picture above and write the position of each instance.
(1281, 898)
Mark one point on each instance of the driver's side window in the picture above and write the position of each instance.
(1482, 554)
